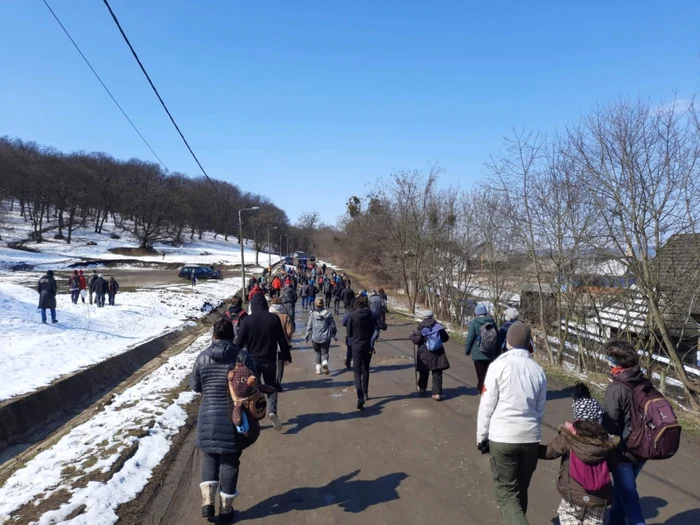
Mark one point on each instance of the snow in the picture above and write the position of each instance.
(35, 354)
(117, 427)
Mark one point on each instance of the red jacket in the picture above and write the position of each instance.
(276, 284)
(256, 289)
(83, 282)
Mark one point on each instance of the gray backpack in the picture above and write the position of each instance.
(488, 340)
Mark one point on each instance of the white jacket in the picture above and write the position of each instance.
(513, 399)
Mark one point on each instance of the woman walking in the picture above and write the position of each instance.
(217, 438)
(429, 338)
(321, 329)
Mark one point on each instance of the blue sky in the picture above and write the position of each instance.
(308, 102)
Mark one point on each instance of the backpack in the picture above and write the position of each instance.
(235, 320)
(592, 478)
(432, 337)
(655, 433)
(488, 340)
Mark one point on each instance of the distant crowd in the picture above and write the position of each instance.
(94, 287)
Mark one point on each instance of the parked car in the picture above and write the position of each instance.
(289, 260)
(312, 258)
(201, 272)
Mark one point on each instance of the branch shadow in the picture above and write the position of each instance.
(352, 495)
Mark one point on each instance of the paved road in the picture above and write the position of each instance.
(403, 460)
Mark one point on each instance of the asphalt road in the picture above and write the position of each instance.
(403, 460)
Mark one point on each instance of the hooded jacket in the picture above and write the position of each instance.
(617, 403)
(473, 335)
(287, 325)
(360, 329)
(428, 360)
(288, 295)
(216, 433)
(321, 326)
(261, 333)
(588, 450)
(47, 291)
(377, 306)
(347, 295)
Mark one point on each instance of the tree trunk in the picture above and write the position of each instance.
(71, 219)
(97, 221)
(60, 223)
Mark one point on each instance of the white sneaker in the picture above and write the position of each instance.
(276, 423)
(325, 368)
(318, 369)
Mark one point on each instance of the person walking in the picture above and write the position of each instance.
(360, 328)
(321, 329)
(235, 313)
(74, 285)
(90, 284)
(482, 343)
(304, 295)
(99, 287)
(83, 286)
(277, 308)
(47, 296)
(431, 358)
(217, 437)
(255, 290)
(509, 423)
(112, 290)
(347, 295)
(376, 305)
(289, 300)
(313, 290)
(511, 315)
(261, 333)
(337, 292)
(276, 286)
(327, 291)
(193, 278)
(617, 403)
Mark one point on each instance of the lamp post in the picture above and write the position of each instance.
(240, 232)
(285, 235)
(288, 237)
(269, 253)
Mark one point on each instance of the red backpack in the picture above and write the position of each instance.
(592, 477)
(655, 433)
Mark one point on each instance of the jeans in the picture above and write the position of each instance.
(512, 466)
(322, 350)
(336, 305)
(375, 336)
(437, 381)
(100, 299)
(626, 502)
(43, 315)
(74, 294)
(481, 368)
(304, 302)
(111, 299)
(268, 374)
(90, 294)
(222, 468)
(361, 360)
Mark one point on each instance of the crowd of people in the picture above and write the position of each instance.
(96, 287)
(600, 450)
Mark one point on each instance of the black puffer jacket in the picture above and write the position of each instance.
(215, 431)
(360, 329)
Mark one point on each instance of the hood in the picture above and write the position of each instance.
(589, 450)
(632, 375)
(277, 308)
(258, 303)
(483, 319)
(222, 350)
(322, 313)
(362, 313)
(235, 309)
(427, 323)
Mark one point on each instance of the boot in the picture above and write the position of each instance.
(209, 489)
(226, 507)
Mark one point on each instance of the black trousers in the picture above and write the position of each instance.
(437, 381)
(268, 373)
(481, 368)
(222, 468)
(336, 305)
(360, 361)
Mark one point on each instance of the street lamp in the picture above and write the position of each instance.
(240, 231)
(269, 252)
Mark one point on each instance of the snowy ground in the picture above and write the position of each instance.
(107, 460)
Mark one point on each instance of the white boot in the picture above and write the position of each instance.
(318, 369)
(226, 507)
(209, 489)
(326, 370)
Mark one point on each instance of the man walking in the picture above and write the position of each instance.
(482, 343)
(90, 283)
(510, 420)
(289, 300)
(337, 291)
(360, 327)
(100, 289)
(261, 333)
(47, 296)
(348, 296)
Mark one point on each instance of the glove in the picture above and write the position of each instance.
(483, 447)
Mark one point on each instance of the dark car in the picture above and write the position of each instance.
(289, 260)
(312, 258)
(200, 272)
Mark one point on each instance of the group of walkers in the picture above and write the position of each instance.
(96, 286)
(600, 450)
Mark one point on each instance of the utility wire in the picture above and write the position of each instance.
(104, 86)
(133, 52)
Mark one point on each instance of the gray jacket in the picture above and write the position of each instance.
(376, 304)
(321, 326)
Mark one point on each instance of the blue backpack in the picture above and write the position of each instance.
(432, 337)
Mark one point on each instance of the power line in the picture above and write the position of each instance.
(104, 86)
(133, 52)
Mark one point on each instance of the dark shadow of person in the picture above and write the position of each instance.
(351, 495)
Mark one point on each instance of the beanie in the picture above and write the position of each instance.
(512, 314)
(519, 335)
(428, 315)
(480, 309)
(587, 408)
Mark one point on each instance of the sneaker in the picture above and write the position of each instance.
(318, 369)
(437, 397)
(276, 423)
(326, 370)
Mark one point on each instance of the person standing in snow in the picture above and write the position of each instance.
(83, 286)
(217, 437)
(99, 286)
(321, 329)
(112, 290)
(74, 284)
(90, 283)
(47, 296)
(193, 278)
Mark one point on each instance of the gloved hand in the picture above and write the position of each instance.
(483, 447)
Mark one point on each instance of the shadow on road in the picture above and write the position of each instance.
(652, 504)
(564, 393)
(351, 495)
(321, 382)
(458, 391)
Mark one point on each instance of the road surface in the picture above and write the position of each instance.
(403, 460)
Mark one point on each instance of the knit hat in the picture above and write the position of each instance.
(512, 314)
(428, 314)
(480, 309)
(519, 335)
(587, 408)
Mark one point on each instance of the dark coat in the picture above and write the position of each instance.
(337, 291)
(377, 306)
(112, 287)
(216, 433)
(261, 333)
(473, 334)
(617, 405)
(347, 295)
(428, 360)
(288, 295)
(47, 292)
(360, 327)
(99, 285)
(503, 332)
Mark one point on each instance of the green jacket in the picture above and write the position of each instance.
(473, 334)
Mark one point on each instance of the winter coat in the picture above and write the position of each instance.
(47, 292)
(74, 282)
(255, 291)
(305, 290)
(377, 307)
(588, 450)
(337, 291)
(321, 326)
(276, 283)
(91, 281)
(313, 290)
(261, 333)
(99, 286)
(474, 336)
(428, 360)
(512, 401)
(347, 295)
(216, 433)
(288, 295)
(83, 283)
(286, 321)
(360, 328)
(112, 287)
(617, 405)
(502, 334)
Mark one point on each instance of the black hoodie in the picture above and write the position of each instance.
(360, 329)
(261, 333)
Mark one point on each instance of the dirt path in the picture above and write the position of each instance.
(403, 460)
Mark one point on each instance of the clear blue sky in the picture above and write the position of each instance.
(309, 101)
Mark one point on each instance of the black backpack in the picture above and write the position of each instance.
(488, 340)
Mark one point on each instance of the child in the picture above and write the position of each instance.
(585, 449)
